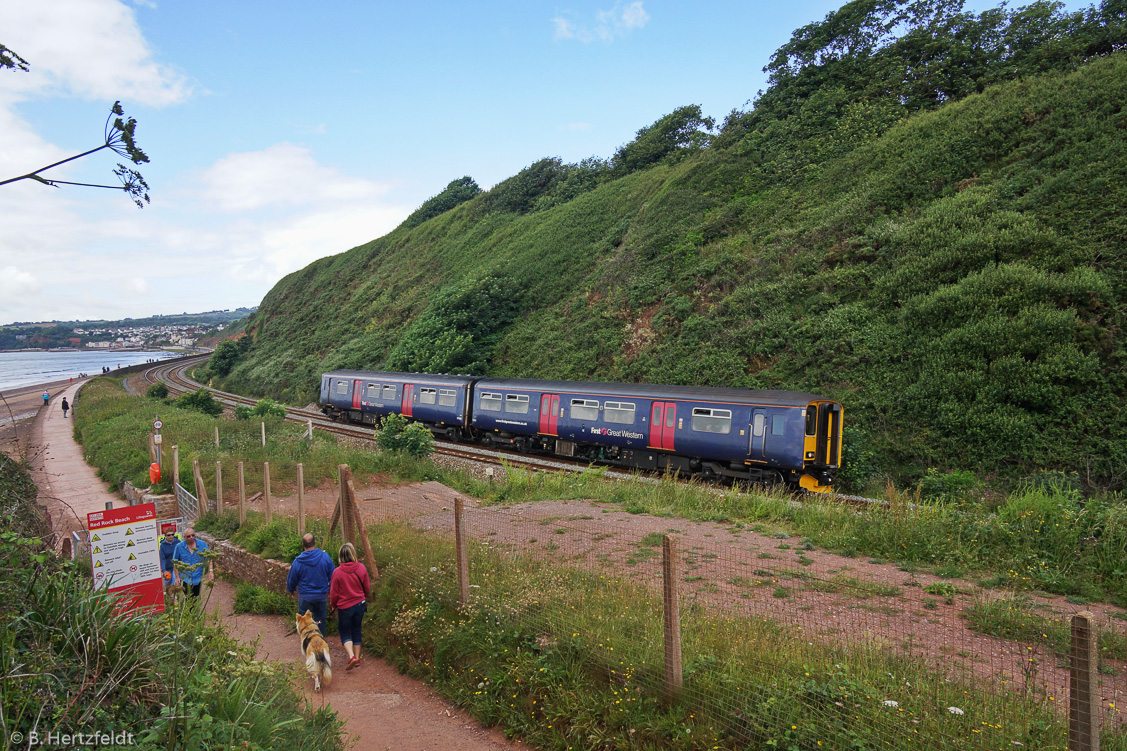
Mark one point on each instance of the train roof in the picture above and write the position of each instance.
(378, 375)
(654, 391)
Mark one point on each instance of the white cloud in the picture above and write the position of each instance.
(92, 49)
(608, 25)
(281, 175)
(15, 282)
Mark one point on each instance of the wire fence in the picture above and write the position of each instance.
(774, 633)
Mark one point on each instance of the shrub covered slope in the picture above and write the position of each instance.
(924, 216)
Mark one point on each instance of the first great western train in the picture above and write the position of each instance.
(751, 435)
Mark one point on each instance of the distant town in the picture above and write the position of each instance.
(186, 330)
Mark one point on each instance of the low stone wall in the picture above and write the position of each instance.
(167, 508)
(244, 566)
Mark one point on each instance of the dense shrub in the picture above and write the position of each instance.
(157, 391)
(200, 401)
(396, 433)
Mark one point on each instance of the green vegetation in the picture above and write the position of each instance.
(173, 681)
(200, 401)
(396, 434)
(922, 216)
(157, 391)
(264, 408)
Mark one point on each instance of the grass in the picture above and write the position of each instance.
(1014, 618)
(175, 680)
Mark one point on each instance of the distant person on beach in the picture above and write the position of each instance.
(65, 407)
(46, 397)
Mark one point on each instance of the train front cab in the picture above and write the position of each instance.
(821, 455)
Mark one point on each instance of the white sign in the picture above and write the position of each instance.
(157, 424)
(124, 553)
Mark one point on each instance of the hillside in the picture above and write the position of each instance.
(928, 227)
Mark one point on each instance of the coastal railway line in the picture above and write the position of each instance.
(173, 375)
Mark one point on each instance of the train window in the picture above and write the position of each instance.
(388, 392)
(373, 391)
(428, 396)
(758, 423)
(619, 412)
(812, 420)
(584, 409)
(342, 387)
(447, 397)
(712, 420)
(490, 402)
(778, 424)
(516, 403)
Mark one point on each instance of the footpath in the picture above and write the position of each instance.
(381, 709)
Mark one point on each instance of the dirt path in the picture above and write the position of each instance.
(381, 709)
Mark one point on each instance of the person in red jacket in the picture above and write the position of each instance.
(348, 594)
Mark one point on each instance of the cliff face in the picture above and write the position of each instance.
(955, 278)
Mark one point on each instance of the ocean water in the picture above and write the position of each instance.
(31, 368)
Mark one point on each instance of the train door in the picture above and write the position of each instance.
(757, 441)
(663, 421)
(408, 399)
(357, 391)
(549, 414)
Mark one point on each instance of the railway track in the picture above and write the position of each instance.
(173, 375)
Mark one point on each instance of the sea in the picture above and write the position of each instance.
(30, 368)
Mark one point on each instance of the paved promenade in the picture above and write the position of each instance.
(68, 486)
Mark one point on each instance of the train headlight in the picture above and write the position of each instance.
(809, 454)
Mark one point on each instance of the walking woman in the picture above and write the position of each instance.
(348, 594)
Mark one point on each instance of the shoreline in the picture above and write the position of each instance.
(22, 403)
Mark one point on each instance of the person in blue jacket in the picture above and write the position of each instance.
(167, 548)
(310, 575)
(188, 553)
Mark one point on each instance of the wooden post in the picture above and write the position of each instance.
(309, 429)
(152, 448)
(201, 489)
(175, 468)
(301, 499)
(361, 532)
(1083, 695)
(674, 675)
(348, 531)
(219, 487)
(462, 559)
(264, 435)
(340, 498)
(266, 491)
(242, 497)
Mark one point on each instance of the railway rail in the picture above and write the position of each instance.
(173, 375)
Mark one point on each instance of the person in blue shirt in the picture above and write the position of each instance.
(167, 548)
(188, 553)
(310, 575)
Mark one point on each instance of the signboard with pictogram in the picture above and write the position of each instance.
(125, 557)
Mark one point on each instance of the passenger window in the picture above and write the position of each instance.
(621, 413)
(812, 420)
(757, 424)
(712, 420)
(389, 393)
(373, 391)
(428, 396)
(490, 402)
(584, 409)
(517, 403)
(446, 398)
(342, 387)
(778, 424)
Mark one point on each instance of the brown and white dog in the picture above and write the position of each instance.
(315, 650)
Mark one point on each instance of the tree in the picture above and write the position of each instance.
(682, 130)
(119, 138)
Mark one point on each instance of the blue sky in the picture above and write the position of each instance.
(281, 132)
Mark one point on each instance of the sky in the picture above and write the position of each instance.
(282, 132)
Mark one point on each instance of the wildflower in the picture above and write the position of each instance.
(955, 710)
(891, 703)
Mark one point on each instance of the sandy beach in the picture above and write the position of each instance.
(20, 404)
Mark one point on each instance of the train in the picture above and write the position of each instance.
(756, 436)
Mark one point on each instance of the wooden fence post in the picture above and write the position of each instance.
(266, 492)
(242, 497)
(301, 500)
(263, 435)
(201, 489)
(175, 468)
(340, 500)
(216, 436)
(219, 487)
(361, 532)
(461, 556)
(344, 474)
(1083, 695)
(674, 675)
